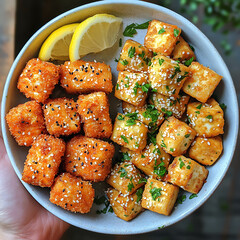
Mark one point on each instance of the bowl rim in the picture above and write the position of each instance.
(133, 3)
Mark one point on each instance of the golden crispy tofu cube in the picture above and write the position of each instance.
(167, 76)
(134, 57)
(152, 160)
(187, 174)
(61, 117)
(43, 160)
(72, 193)
(175, 136)
(206, 119)
(159, 196)
(38, 79)
(125, 177)
(206, 150)
(26, 122)
(125, 207)
(129, 133)
(129, 87)
(84, 77)
(89, 158)
(182, 51)
(161, 37)
(201, 83)
(147, 114)
(170, 106)
(94, 111)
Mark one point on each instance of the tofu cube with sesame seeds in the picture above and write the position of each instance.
(38, 79)
(159, 196)
(147, 114)
(206, 119)
(182, 51)
(26, 122)
(89, 158)
(161, 37)
(43, 160)
(187, 174)
(125, 207)
(132, 87)
(152, 160)
(72, 193)
(125, 177)
(175, 136)
(134, 57)
(167, 76)
(206, 150)
(170, 106)
(129, 132)
(61, 117)
(84, 77)
(201, 83)
(94, 111)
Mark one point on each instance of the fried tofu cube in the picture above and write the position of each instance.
(206, 119)
(161, 37)
(61, 117)
(38, 79)
(72, 193)
(206, 150)
(159, 196)
(84, 77)
(175, 136)
(134, 57)
(26, 122)
(187, 174)
(94, 111)
(125, 207)
(147, 114)
(182, 51)
(129, 87)
(89, 158)
(201, 83)
(152, 160)
(43, 160)
(125, 177)
(170, 106)
(129, 133)
(167, 76)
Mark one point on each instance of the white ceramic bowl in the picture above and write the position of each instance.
(206, 53)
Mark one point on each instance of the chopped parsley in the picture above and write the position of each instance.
(177, 70)
(117, 86)
(133, 115)
(188, 167)
(181, 163)
(142, 156)
(163, 226)
(172, 149)
(187, 135)
(120, 117)
(168, 113)
(162, 30)
(193, 196)
(210, 117)
(189, 61)
(103, 200)
(123, 172)
(126, 156)
(135, 88)
(124, 139)
(223, 106)
(160, 61)
(130, 185)
(199, 106)
(116, 60)
(146, 87)
(152, 135)
(152, 113)
(130, 122)
(176, 32)
(181, 199)
(131, 52)
(139, 194)
(124, 62)
(120, 42)
(163, 144)
(141, 55)
(155, 192)
(182, 77)
(159, 169)
(142, 180)
(130, 30)
(198, 112)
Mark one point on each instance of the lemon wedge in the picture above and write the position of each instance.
(56, 46)
(94, 35)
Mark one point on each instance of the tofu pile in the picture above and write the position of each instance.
(170, 128)
(67, 139)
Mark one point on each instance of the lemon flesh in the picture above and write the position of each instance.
(94, 35)
(56, 46)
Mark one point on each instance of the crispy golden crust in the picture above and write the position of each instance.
(84, 77)
(134, 57)
(201, 83)
(72, 193)
(89, 158)
(94, 111)
(182, 51)
(26, 122)
(43, 161)
(125, 207)
(161, 37)
(61, 117)
(38, 79)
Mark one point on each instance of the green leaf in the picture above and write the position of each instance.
(124, 139)
(181, 163)
(130, 185)
(223, 106)
(123, 172)
(155, 192)
(209, 117)
(142, 25)
(162, 30)
(189, 61)
(120, 117)
(199, 106)
(193, 196)
(139, 193)
(130, 122)
(126, 156)
(160, 61)
(176, 32)
(159, 169)
(130, 30)
(187, 135)
(181, 199)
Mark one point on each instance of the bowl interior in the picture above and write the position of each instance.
(138, 12)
